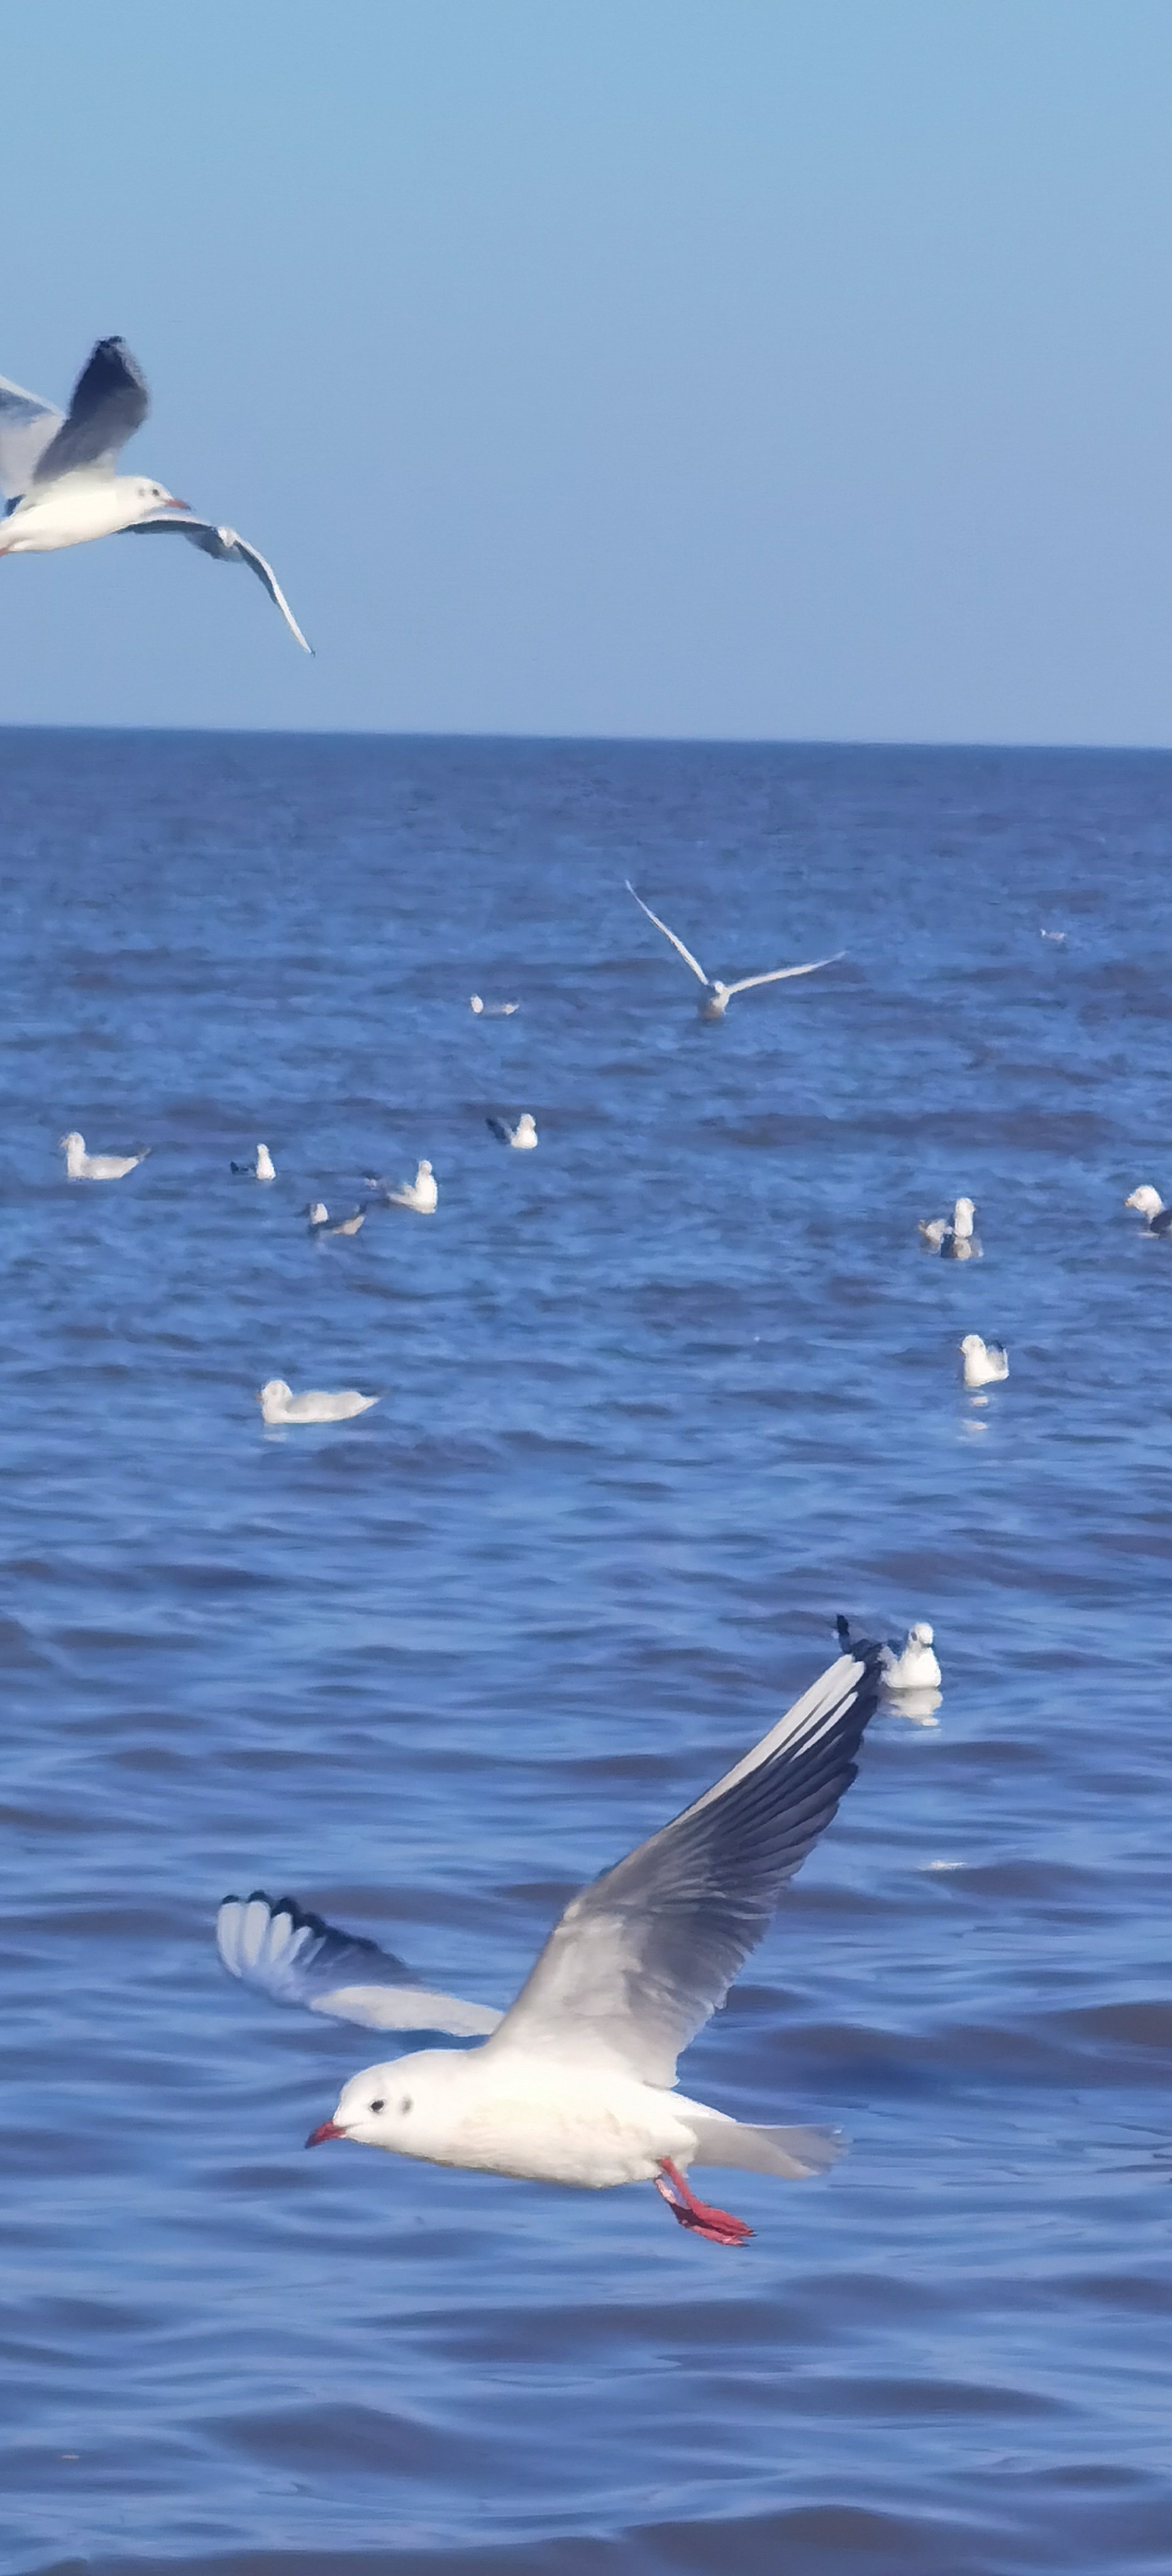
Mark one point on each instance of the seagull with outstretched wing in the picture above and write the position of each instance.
(717, 996)
(577, 2083)
(58, 472)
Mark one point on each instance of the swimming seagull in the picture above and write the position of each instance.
(319, 1219)
(985, 1363)
(523, 1136)
(491, 1010)
(1150, 1204)
(577, 2084)
(717, 996)
(910, 1666)
(954, 1236)
(57, 471)
(80, 1166)
(263, 1169)
(420, 1194)
(279, 1404)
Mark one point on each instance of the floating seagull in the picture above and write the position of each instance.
(912, 1666)
(717, 996)
(264, 1168)
(953, 1236)
(1058, 937)
(420, 1194)
(298, 1959)
(319, 1219)
(985, 1363)
(80, 1166)
(58, 473)
(491, 1010)
(576, 2085)
(523, 1136)
(1150, 1204)
(279, 1404)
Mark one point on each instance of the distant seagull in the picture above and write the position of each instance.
(985, 1363)
(263, 1169)
(953, 1237)
(717, 996)
(1058, 937)
(319, 1219)
(297, 1959)
(279, 1404)
(910, 1672)
(58, 472)
(523, 1136)
(80, 1166)
(1150, 1204)
(420, 1194)
(576, 2085)
(491, 1010)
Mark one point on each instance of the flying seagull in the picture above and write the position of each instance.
(717, 996)
(576, 2084)
(57, 471)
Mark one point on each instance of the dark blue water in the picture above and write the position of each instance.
(658, 1400)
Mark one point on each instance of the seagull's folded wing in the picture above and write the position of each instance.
(225, 546)
(298, 1959)
(642, 1957)
(26, 427)
(781, 974)
(677, 944)
(110, 401)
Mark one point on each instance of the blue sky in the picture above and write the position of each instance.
(771, 368)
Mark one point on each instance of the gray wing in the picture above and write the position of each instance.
(224, 546)
(298, 1959)
(642, 1957)
(26, 426)
(110, 401)
(677, 944)
(780, 974)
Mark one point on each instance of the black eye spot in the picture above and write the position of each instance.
(378, 2106)
(405, 2104)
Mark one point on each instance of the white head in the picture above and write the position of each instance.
(920, 1635)
(273, 1398)
(1146, 1199)
(962, 1218)
(421, 1170)
(475, 1002)
(151, 496)
(400, 2106)
(317, 1212)
(525, 1124)
(72, 1144)
(718, 988)
(265, 1166)
(971, 1346)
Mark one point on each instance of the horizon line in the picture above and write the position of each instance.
(610, 741)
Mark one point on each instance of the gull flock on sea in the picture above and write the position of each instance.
(575, 2082)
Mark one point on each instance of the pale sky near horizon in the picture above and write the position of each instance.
(782, 369)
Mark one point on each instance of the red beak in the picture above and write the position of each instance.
(328, 2129)
(173, 504)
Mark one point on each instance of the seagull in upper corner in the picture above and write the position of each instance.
(263, 1169)
(577, 2083)
(320, 1221)
(57, 471)
(523, 1137)
(1150, 1204)
(80, 1166)
(985, 1363)
(717, 996)
(491, 1010)
(953, 1237)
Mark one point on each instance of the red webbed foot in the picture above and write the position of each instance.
(716, 2224)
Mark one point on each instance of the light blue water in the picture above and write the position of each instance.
(658, 1400)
